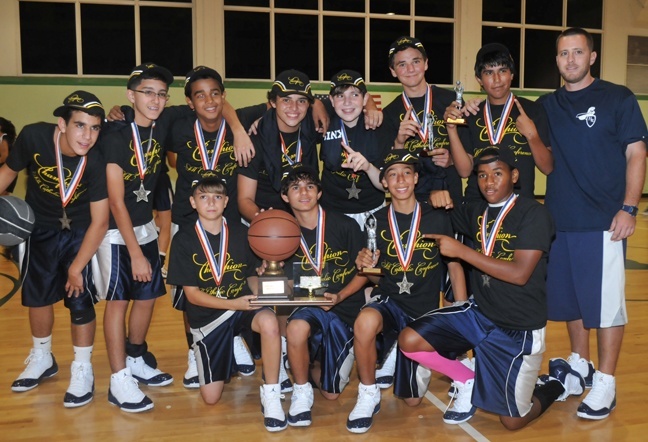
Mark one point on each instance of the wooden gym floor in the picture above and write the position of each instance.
(180, 414)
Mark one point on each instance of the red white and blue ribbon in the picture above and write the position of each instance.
(209, 163)
(488, 241)
(298, 151)
(217, 266)
(406, 253)
(425, 127)
(316, 261)
(495, 135)
(140, 155)
(66, 191)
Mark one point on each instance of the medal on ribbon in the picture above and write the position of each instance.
(405, 253)
(298, 151)
(426, 126)
(140, 158)
(488, 240)
(209, 163)
(495, 135)
(216, 265)
(67, 191)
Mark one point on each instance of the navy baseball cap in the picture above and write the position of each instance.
(198, 73)
(82, 101)
(398, 156)
(349, 77)
(150, 69)
(505, 155)
(292, 82)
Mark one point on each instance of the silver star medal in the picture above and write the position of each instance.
(485, 280)
(65, 221)
(141, 193)
(354, 192)
(404, 286)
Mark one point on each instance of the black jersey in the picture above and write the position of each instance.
(528, 226)
(189, 267)
(425, 271)
(269, 163)
(431, 177)
(342, 242)
(475, 139)
(34, 150)
(190, 167)
(337, 182)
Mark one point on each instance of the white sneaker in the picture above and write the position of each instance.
(125, 393)
(244, 362)
(582, 366)
(146, 374)
(40, 365)
(571, 380)
(367, 405)
(462, 408)
(301, 403)
(81, 389)
(190, 379)
(385, 374)
(284, 380)
(468, 362)
(274, 418)
(601, 399)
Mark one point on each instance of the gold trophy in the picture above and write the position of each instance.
(459, 90)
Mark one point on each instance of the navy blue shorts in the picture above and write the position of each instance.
(509, 361)
(163, 193)
(410, 379)
(48, 255)
(117, 275)
(330, 342)
(214, 344)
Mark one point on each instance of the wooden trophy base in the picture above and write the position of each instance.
(371, 271)
(457, 121)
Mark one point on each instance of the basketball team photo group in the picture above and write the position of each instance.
(326, 257)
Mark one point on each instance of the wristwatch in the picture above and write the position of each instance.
(632, 210)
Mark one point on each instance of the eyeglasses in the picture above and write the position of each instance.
(150, 94)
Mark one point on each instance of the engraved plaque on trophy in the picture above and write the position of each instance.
(307, 283)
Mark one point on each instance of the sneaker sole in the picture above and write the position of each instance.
(246, 371)
(113, 401)
(148, 382)
(77, 404)
(597, 417)
(52, 371)
(190, 384)
(363, 429)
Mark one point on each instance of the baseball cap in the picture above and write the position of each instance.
(299, 169)
(292, 82)
(491, 51)
(398, 156)
(350, 77)
(83, 101)
(150, 69)
(505, 155)
(404, 42)
(201, 72)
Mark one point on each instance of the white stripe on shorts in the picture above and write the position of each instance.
(613, 309)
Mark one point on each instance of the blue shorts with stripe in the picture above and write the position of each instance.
(214, 346)
(44, 269)
(586, 279)
(508, 361)
(410, 379)
(330, 343)
(163, 193)
(117, 275)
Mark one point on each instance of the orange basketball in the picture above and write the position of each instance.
(274, 235)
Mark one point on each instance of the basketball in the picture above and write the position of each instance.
(274, 235)
(16, 220)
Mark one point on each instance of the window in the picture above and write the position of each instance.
(105, 35)
(529, 29)
(320, 37)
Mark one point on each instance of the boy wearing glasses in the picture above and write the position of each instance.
(129, 260)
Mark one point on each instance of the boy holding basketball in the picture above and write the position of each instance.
(411, 266)
(212, 261)
(66, 188)
(320, 338)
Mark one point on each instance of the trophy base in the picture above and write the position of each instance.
(294, 302)
(275, 288)
(457, 121)
(371, 271)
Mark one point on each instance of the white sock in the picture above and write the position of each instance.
(44, 344)
(83, 354)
